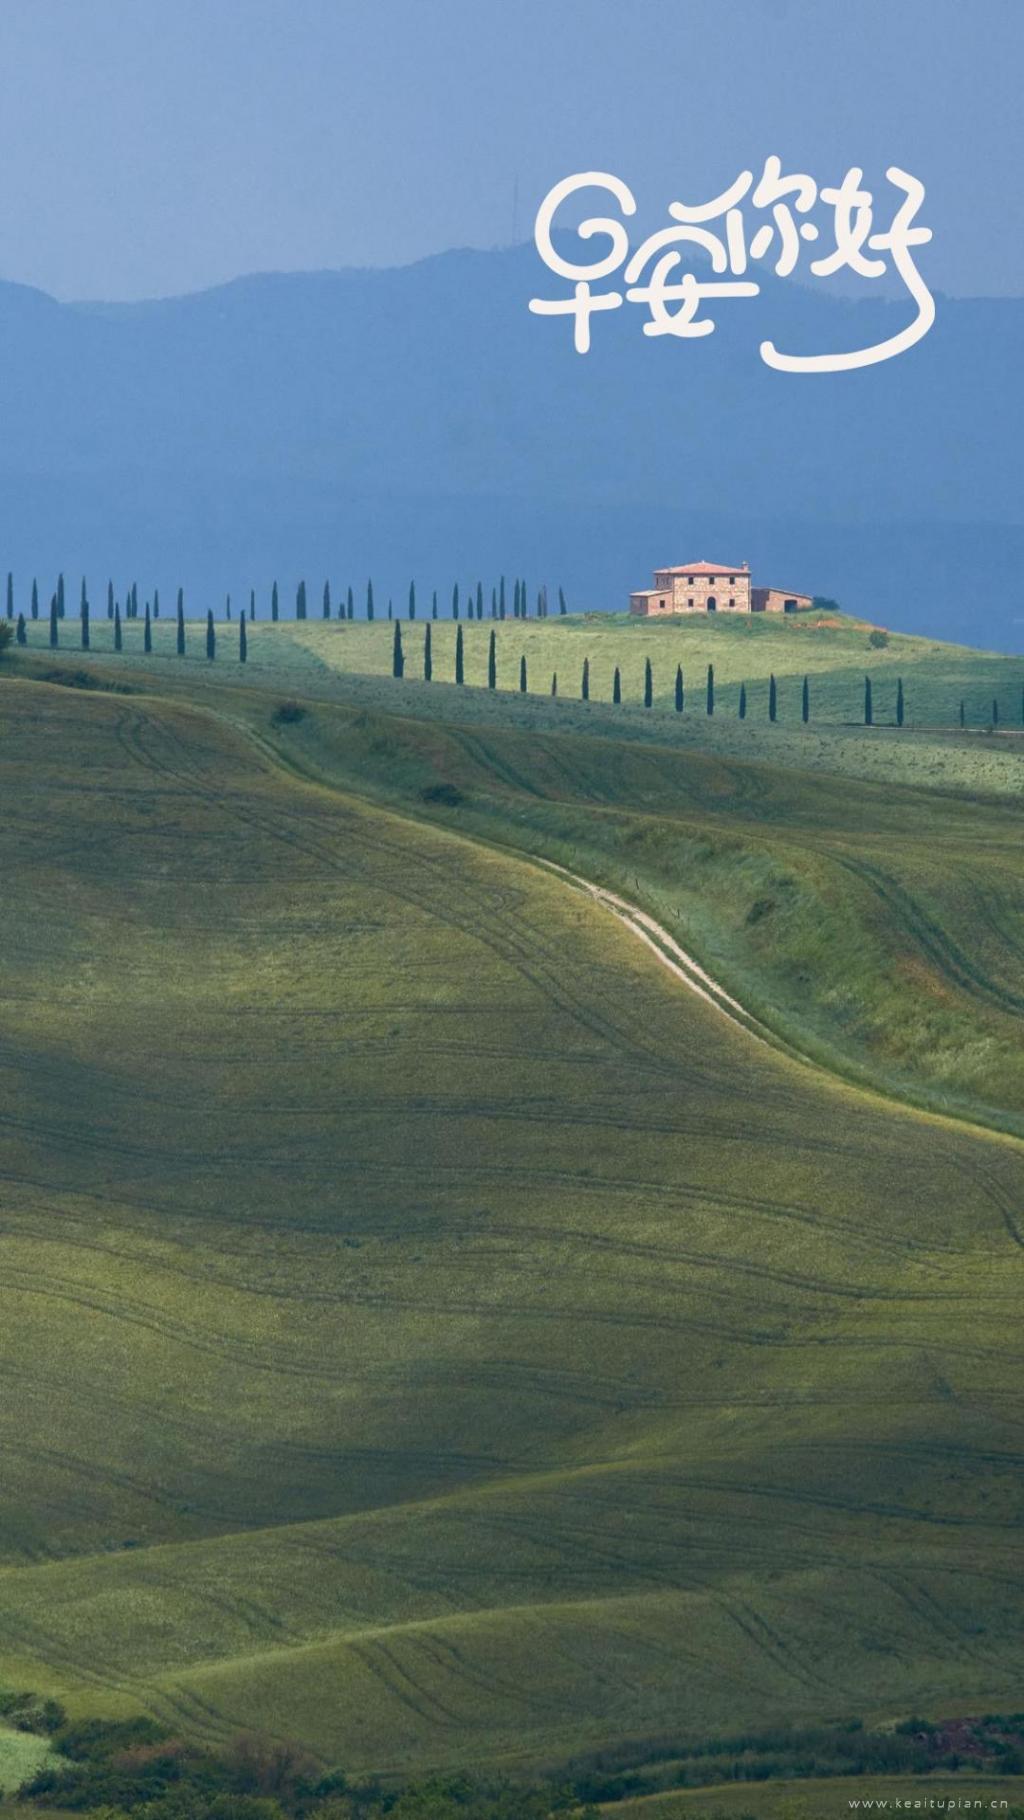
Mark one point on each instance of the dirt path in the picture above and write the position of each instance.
(680, 964)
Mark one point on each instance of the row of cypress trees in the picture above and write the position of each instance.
(468, 606)
(398, 670)
(21, 631)
(473, 610)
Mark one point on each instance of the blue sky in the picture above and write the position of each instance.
(156, 146)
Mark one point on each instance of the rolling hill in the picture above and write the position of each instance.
(429, 1331)
(879, 930)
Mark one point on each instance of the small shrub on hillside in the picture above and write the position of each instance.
(761, 907)
(31, 1713)
(878, 639)
(448, 794)
(287, 713)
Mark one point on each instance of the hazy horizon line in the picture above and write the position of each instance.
(78, 301)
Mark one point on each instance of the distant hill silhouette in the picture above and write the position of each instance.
(421, 422)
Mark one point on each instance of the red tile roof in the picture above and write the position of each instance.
(706, 568)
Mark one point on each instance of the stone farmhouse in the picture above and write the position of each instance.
(712, 587)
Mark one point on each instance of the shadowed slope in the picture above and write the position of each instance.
(427, 1330)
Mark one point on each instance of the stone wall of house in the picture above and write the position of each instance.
(729, 591)
(776, 600)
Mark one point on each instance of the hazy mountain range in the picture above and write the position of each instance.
(421, 422)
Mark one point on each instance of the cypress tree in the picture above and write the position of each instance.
(181, 622)
(501, 599)
(275, 605)
(325, 606)
(773, 700)
(805, 702)
(585, 682)
(710, 697)
(459, 666)
(118, 634)
(147, 632)
(743, 701)
(428, 656)
(397, 654)
(83, 597)
(524, 601)
(648, 683)
(243, 641)
(60, 596)
(869, 713)
(350, 605)
(300, 601)
(522, 676)
(412, 600)
(252, 605)
(562, 608)
(110, 600)
(554, 682)
(20, 630)
(679, 688)
(899, 701)
(515, 601)
(156, 603)
(616, 687)
(83, 613)
(211, 635)
(369, 600)
(53, 621)
(479, 600)
(135, 600)
(433, 604)
(391, 608)
(35, 600)
(494, 603)
(10, 595)
(455, 601)
(492, 662)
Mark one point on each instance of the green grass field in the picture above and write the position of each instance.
(831, 1799)
(431, 1333)
(21, 1755)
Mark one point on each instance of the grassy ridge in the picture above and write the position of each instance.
(430, 1333)
(832, 650)
(351, 664)
(884, 928)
